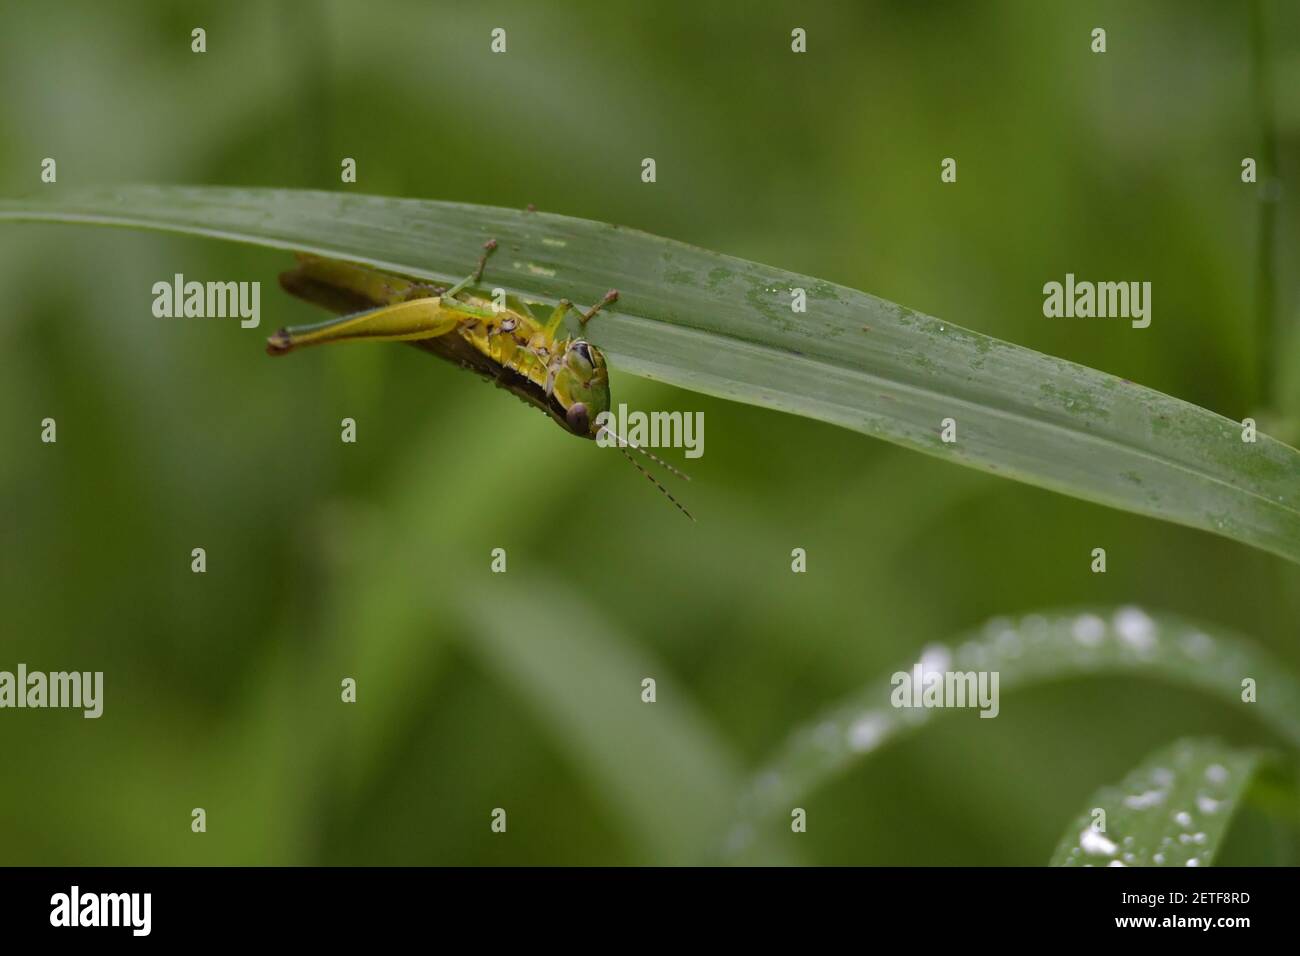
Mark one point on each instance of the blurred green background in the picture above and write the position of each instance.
(371, 560)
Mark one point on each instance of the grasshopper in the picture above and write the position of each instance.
(563, 375)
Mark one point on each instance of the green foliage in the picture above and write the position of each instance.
(1173, 810)
(371, 560)
(1038, 649)
(724, 326)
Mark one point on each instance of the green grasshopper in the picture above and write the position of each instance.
(563, 375)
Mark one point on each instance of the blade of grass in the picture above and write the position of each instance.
(1172, 810)
(1035, 649)
(724, 326)
(664, 771)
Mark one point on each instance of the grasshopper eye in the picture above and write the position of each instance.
(576, 416)
(580, 359)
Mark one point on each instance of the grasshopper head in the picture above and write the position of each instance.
(582, 387)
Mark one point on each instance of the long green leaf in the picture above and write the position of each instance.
(666, 773)
(1172, 810)
(1035, 649)
(724, 326)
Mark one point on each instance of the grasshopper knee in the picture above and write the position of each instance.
(279, 343)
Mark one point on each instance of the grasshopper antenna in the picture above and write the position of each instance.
(655, 481)
(624, 445)
(627, 443)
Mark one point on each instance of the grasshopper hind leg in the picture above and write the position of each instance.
(422, 318)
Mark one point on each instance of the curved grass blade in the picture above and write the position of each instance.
(663, 769)
(724, 326)
(1172, 810)
(1035, 649)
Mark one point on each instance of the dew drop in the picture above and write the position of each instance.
(1088, 629)
(866, 732)
(935, 657)
(971, 654)
(1095, 844)
(1008, 643)
(1144, 800)
(1135, 628)
(996, 626)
